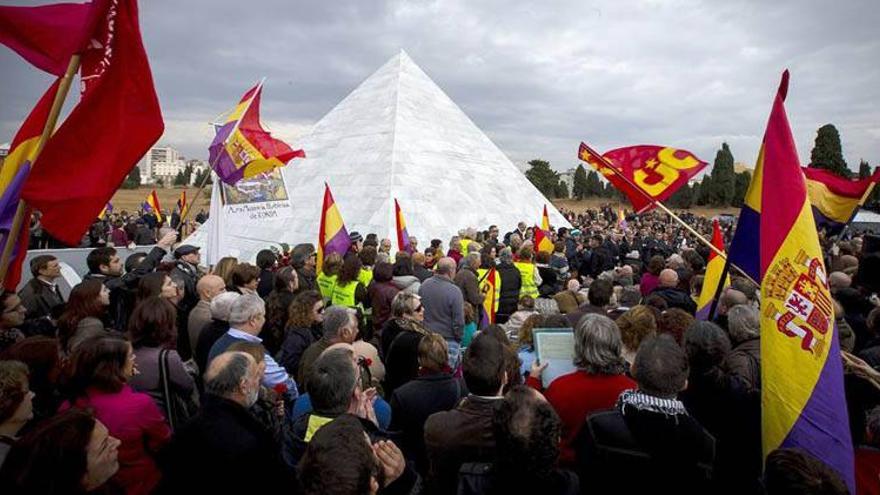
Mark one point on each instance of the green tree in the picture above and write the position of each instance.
(707, 190)
(543, 177)
(683, 198)
(594, 185)
(723, 180)
(187, 174)
(179, 179)
(864, 169)
(562, 190)
(579, 188)
(200, 176)
(827, 152)
(133, 181)
(743, 179)
(160, 182)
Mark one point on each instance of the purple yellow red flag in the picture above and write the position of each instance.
(181, 202)
(836, 199)
(545, 220)
(646, 173)
(621, 219)
(403, 243)
(491, 289)
(332, 235)
(542, 241)
(714, 270)
(13, 174)
(151, 204)
(802, 394)
(242, 148)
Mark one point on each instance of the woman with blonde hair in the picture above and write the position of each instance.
(635, 325)
(224, 269)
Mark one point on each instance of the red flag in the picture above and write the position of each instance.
(646, 174)
(46, 35)
(115, 123)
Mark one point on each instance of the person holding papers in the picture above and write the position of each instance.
(597, 381)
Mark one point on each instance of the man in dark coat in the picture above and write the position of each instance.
(464, 434)
(104, 264)
(186, 267)
(511, 281)
(648, 443)
(675, 297)
(40, 295)
(224, 448)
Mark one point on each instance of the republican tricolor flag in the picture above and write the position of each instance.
(403, 243)
(490, 286)
(836, 199)
(151, 204)
(13, 174)
(242, 148)
(181, 203)
(332, 235)
(802, 394)
(714, 270)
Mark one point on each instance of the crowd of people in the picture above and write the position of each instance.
(120, 229)
(382, 372)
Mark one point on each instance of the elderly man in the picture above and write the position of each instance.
(444, 307)
(744, 360)
(837, 280)
(211, 452)
(246, 318)
(340, 326)
(40, 295)
(569, 299)
(667, 288)
(208, 287)
(729, 298)
(466, 280)
(385, 246)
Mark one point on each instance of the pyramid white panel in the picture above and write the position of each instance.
(397, 135)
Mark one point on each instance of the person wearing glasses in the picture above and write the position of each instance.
(401, 338)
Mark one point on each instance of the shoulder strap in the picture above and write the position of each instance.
(166, 390)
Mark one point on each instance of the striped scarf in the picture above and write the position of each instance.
(644, 402)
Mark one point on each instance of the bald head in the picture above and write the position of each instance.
(209, 286)
(232, 375)
(446, 267)
(668, 278)
(839, 280)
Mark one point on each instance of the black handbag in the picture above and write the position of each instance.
(177, 409)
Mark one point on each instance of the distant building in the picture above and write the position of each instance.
(161, 163)
(568, 178)
(4, 152)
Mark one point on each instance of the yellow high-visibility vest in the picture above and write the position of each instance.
(527, 273)
(365, 276)
(464, 245)
(343, 294)
(326, 283)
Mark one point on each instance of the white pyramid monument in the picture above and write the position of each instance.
(397, 135)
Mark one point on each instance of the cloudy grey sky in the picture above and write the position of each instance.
(537, 77)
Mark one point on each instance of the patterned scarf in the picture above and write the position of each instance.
(644, 402)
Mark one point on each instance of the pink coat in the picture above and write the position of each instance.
(136, 421)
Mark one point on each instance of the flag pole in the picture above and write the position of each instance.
(211, 165)
(48, 129)
(667, 211)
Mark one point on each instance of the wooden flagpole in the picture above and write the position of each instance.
(48, 129)
(668, 212)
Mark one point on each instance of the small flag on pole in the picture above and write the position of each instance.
(542, 241)
(181, 203)
(242, 148)
(714, 269)
(545, 220)
(151, 204)
(489, 286)
(403, 243)
(332, 235)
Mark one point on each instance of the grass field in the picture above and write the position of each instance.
(131, 199)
